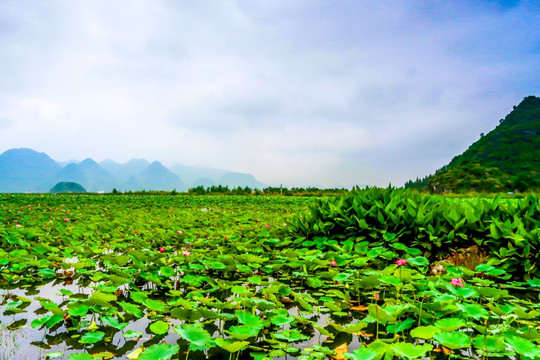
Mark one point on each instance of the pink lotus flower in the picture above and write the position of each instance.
(180, 232)
(18, 225)
(376, 296)
(162, 249)
(258, 220)
(401, 262)
(225, 238)
(66, 219)
(457, 282)
(333, 262)
(267, 225)
(185, 253)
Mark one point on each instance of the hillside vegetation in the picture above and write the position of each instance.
(505, 159)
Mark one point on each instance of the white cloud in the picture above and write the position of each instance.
(294, 92)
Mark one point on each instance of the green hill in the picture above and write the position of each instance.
(505, 159)
(67, 187)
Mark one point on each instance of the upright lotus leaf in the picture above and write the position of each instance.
(138, 296)
(350, 328)
(92, 337)
(475, 311)
(231, 346)
(453, 340)
(242, 332)
(280, 320)
(522, 346)
(410, 351)
(159, 352)
(450, 324)
(378, 313)
(113, 322)
(490, 343)
(425, 332)
(131, 309)
(159, 327)
(250, 320)
(80, 310)
(154, 305)
(198, 338)
(362, 354)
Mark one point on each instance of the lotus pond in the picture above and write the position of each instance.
(252, 277)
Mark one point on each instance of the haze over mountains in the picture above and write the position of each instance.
(26, 170)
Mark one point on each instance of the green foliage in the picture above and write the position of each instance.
(434, 225)
(67, 187)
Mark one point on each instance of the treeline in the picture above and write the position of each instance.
(284, 191)
(225, 190)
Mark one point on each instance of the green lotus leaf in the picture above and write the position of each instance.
(159, 327)
(80, 356)
(237, 289)
(244, 268)
(53, 320)
(522, 346)
(280, 320)
(130, 334)
(453, 340)
(491, 343)
(450, 324)
(255, 279)
(159, 352)
(290, 335)
(138, 296)
(38, 322)
(154, 305)
(80, 310)
(425, 332)
(113, 322)
(475, 311)
(231, 346)
(103, 296)
(242, 332)
(131, 309)
(362, 354)
(195, 335)
(92, 337)
(167, 271)
(250, 320)
(410, 351)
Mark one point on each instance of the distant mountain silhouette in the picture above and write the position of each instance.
(26, 170)
(97, 178)
(234, 179)
(71, 173)
(158, 177)
(123, 172)
(200, 176)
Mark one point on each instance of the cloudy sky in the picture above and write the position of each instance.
(295, 92)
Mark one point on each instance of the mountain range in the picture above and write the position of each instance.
(26, 170)
(505, 159)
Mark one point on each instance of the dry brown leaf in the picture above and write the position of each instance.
(359, 308)
(340, 352)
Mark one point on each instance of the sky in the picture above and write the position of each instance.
(299, 93)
